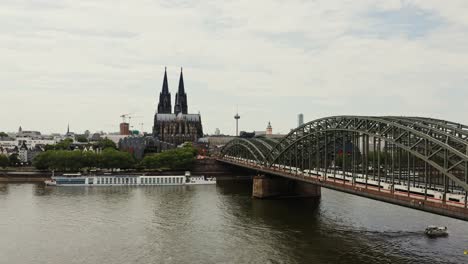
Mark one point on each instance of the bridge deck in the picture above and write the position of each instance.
(420, 202)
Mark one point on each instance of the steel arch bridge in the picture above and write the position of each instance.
(414, 156)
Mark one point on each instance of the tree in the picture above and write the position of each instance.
(3, 134)
(71, 160)
(14, 159)
(59, 160)
(66, 160)
(174, 159)
(64, 144)
(114, 159)
(106, 143)
(43, 160)
(89, 159)
(81, 138)
(49, 147)
(4, 161)
(348, 160)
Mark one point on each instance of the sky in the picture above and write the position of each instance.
(87, 62)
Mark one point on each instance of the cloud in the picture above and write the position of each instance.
(87, 62)
(407, 20)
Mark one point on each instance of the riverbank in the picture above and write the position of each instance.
(22, 179)
(206, 167)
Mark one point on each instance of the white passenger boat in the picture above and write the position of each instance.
(129, 180)
(197, 180)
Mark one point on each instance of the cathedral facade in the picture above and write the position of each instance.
(179, 126)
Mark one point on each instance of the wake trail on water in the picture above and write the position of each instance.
(389, 234)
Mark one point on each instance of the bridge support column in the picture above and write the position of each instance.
(276, 187)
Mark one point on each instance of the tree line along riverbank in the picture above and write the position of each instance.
(181, 158)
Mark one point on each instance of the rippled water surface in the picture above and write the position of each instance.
(213, 224)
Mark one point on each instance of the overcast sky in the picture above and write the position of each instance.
(87, 62)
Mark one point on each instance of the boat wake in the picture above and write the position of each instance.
(387, 234)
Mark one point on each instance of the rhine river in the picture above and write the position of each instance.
(213, 224)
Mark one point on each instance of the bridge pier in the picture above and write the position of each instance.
(265, 186)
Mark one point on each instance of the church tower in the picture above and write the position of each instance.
(181, 97)
(164, 105)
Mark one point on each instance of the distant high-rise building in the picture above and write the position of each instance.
(269, 129)
(217, 132)
(300, 120)
(124, 129)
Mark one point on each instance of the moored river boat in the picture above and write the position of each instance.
(129, 180)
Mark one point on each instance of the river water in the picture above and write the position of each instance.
(213, 224)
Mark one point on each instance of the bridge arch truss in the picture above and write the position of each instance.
(414, 151)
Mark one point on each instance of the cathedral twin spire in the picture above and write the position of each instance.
(181, 97)
(164, 106)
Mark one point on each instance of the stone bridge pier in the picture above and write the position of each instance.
(267, 186)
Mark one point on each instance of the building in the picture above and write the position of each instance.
(180, 126)
(95, 137)
(26, 155)
(114, 138)
(300, 120)
(269, 129)
(25, 144)
(7, 151)
(30, 142)
(69, 134)
(139, 146)
(170, 129)
(124, 129)
(217, 140)
(373, 143)
(29, 134)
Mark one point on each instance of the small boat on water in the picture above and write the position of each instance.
(128, 180)
(436, 231)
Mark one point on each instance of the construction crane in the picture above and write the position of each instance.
(130, 116)
(125, 116)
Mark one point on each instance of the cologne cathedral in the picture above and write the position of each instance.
(170, 129)
(179, 126)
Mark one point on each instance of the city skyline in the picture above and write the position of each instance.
(64, 63)
(322, 131)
